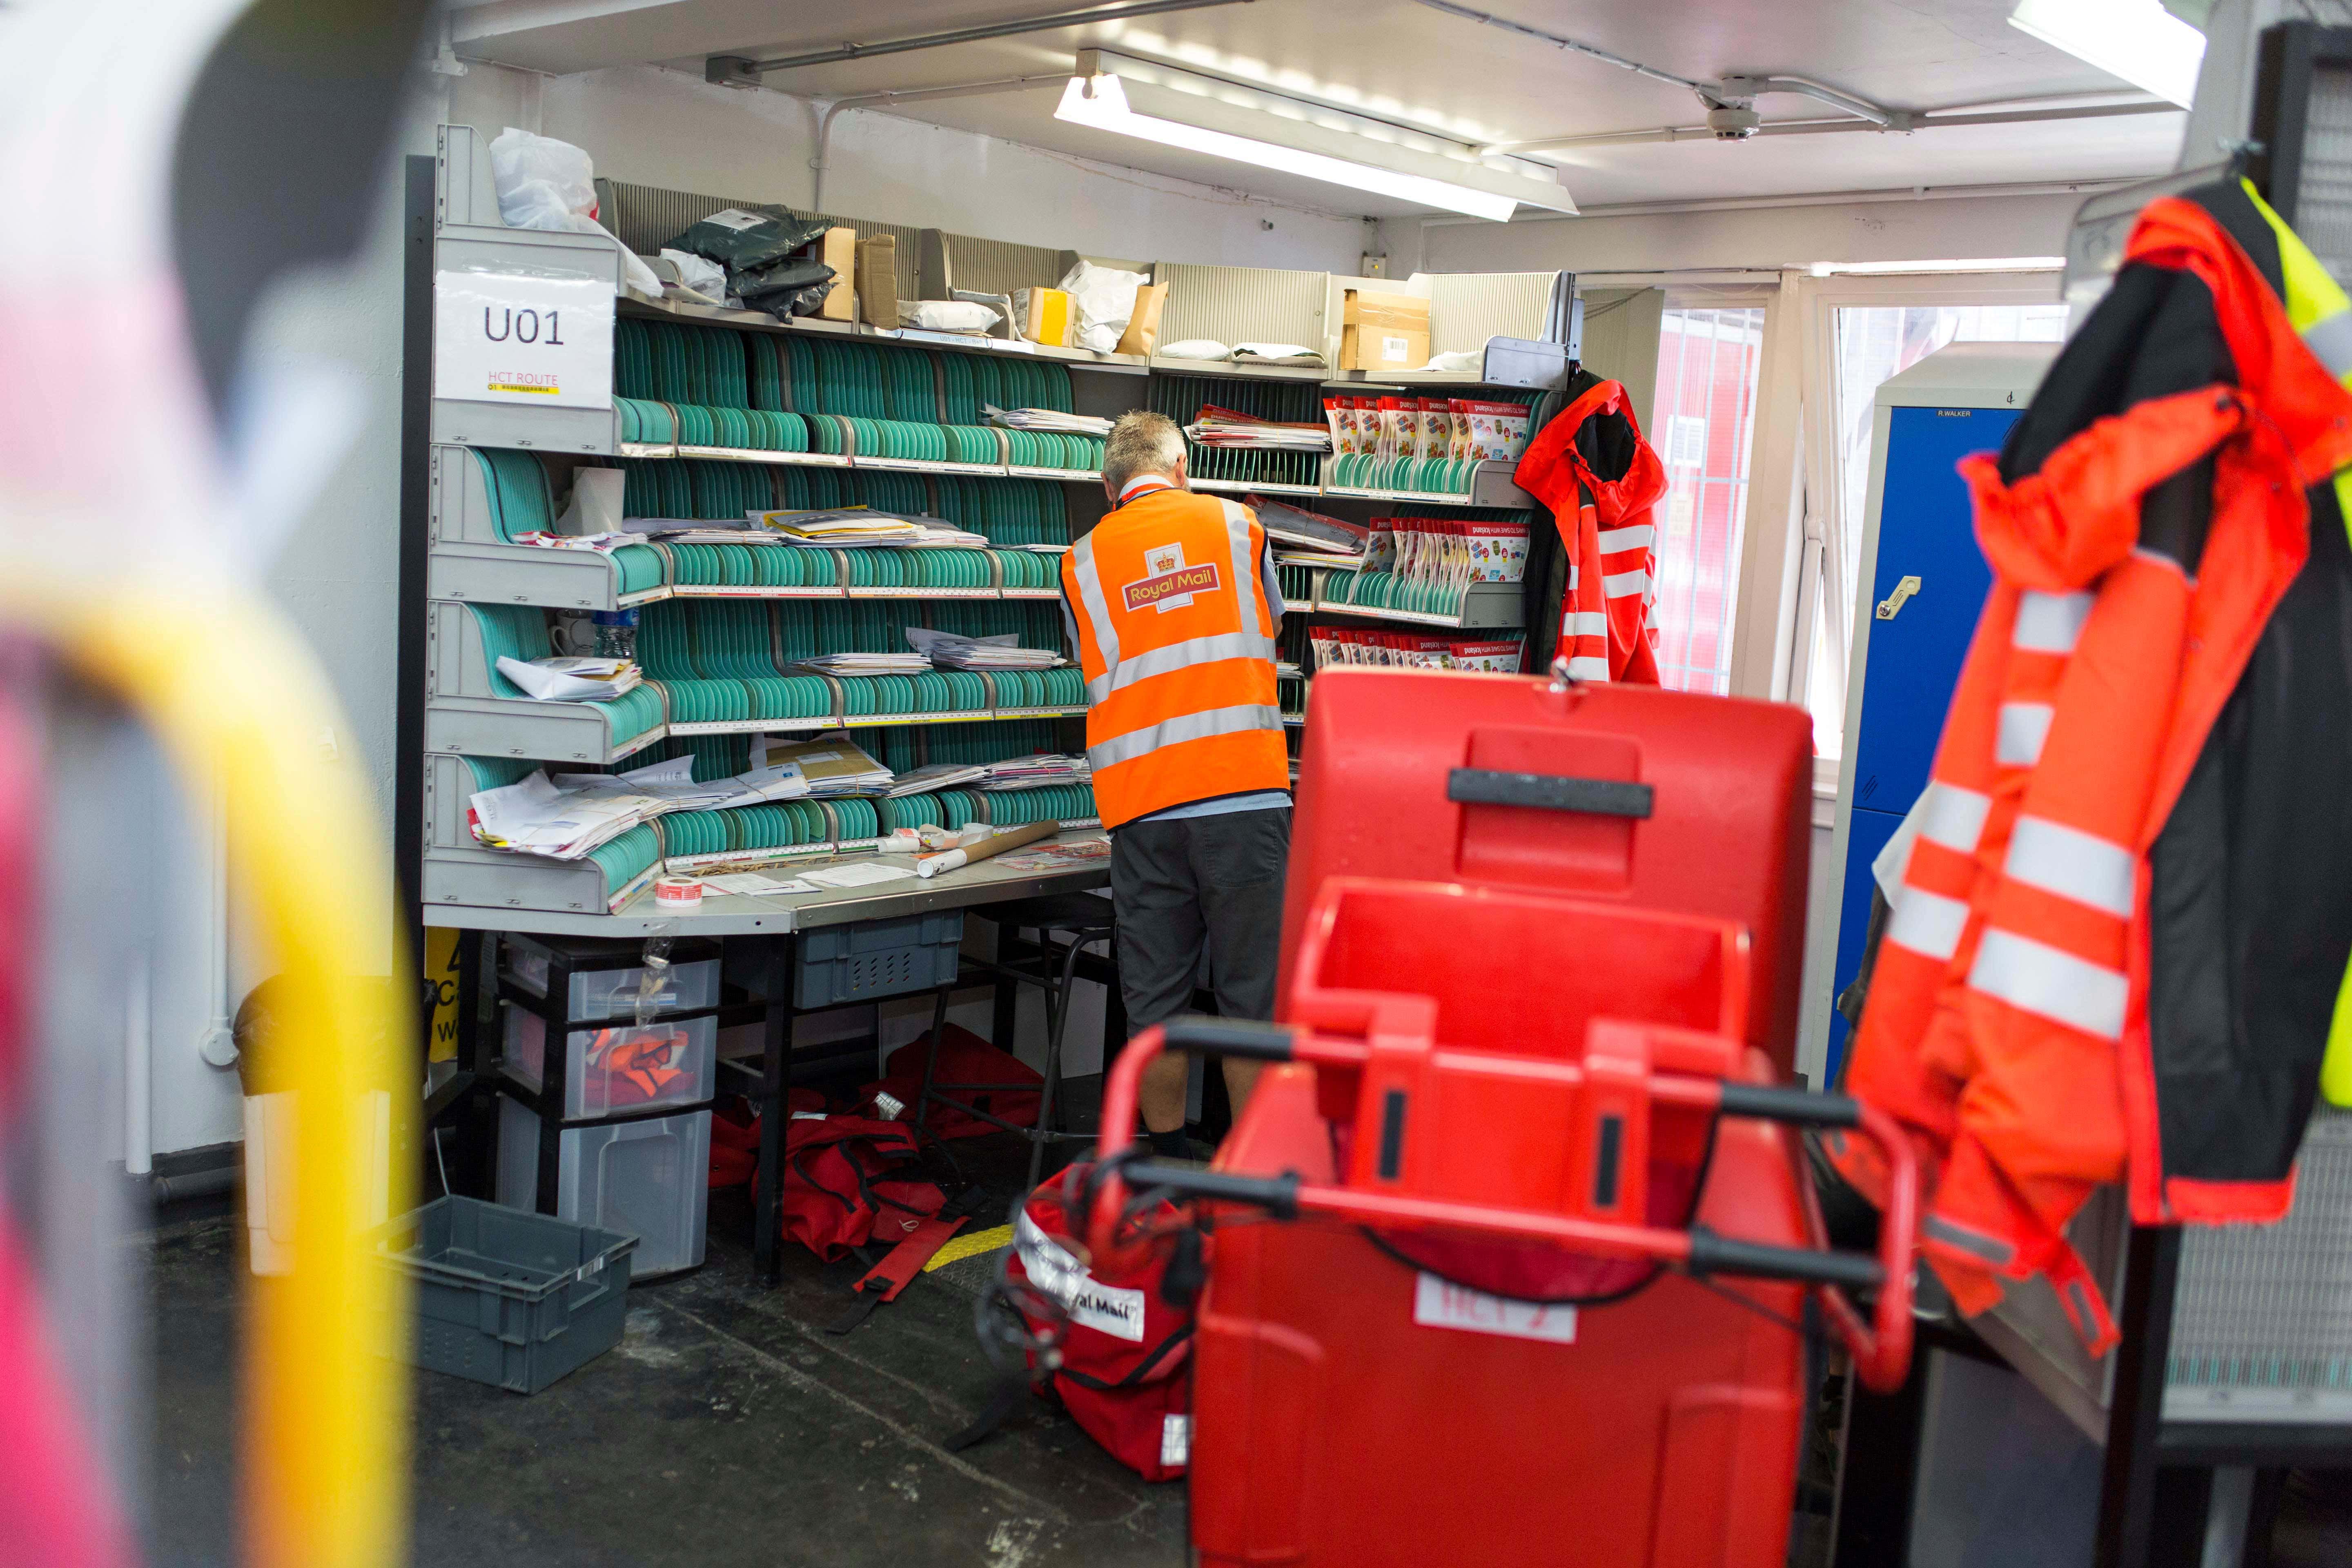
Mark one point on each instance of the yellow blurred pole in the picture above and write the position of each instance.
(235, 696)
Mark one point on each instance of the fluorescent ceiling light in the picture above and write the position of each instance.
(2137, 40)
(1099, 102)
(1981, 264)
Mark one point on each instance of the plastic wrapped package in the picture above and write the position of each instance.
(744, 241)
(785, 288)
(707, 278)
(1104, 297)
(549, 185)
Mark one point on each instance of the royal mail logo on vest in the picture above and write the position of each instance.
(1169, 583)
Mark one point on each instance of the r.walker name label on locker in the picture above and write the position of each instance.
(505, 337)
(1171, 583)
(1439, 1305)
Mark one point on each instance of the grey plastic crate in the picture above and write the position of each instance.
(509, 1299)
(861, 962)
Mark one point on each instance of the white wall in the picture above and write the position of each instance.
(1932, 229)
(650, 126)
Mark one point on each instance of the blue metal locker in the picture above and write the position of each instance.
(1926, 583)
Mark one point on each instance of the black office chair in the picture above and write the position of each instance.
(1084, 918)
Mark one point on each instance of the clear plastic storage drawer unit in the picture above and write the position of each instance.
(648, 1177)
(617, 1068)
(607, 972)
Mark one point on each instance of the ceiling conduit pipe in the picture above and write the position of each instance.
(906, 95)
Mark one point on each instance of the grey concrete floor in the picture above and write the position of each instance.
(727, 1428)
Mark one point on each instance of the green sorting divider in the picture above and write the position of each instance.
(628, 857)
(521, 500)
(498, 772)
(633, 359)
(856, 818)
(1048, 803)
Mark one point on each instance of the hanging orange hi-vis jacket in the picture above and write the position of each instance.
(1177, 645)
(2115, 948)
(1591, 467)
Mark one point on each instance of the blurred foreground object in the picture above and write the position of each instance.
(181, 158)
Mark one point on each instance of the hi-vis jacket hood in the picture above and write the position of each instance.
(1600, 478)
(2118, 941)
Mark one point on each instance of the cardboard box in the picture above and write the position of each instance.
(878, 281)
(837, 249)
(1044, 316)
(1142, 334)
(1384, 331)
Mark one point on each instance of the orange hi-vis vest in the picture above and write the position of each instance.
(2135, 563)
(1177, 645)
(1606, 527)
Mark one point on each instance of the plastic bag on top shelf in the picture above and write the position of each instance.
(949, 316)
(744, 241)
(786, 288)
(549, 184)
(1104, 297)
(707, 278)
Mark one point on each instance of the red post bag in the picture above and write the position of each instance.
(1121, 1350)
(1009, 1088)
(847, 1180)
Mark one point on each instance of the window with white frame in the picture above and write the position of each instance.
(1703, 427)
(1868, 345)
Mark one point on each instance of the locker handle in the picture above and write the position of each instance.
(1549, 792)
(1892, 603)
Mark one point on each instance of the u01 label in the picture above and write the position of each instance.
(1437, 1304)
(506, 337)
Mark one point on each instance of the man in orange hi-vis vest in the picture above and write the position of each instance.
(1173, 610)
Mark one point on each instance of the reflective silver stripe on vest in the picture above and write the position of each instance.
(2049, 623)
(2024, 729)
(1237, 537)
(1179, 655)
(1617, 585)
(1585, 667)
(2330, 339)
(1092, 606)
(1641, 537)
(1929, 924)
(1991, 1248)
(1587, 623)
(2037, 978)
(1234, 720)
(1954, 817)
(2073, 864)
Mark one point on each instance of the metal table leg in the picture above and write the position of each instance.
(775, 1078)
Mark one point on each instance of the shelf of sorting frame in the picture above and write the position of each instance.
(467, 710)
(911, 337)
(589, 580)
(489, 889)
(838, 720)
(1245, 370)
(1498, 605)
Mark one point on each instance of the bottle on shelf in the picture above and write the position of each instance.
(616, 634)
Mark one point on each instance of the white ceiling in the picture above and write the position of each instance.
(1404, 61)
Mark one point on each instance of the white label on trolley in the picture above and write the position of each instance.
(1105, 1308)
(1175, 1440)
(1439, 1305)
(505, 337)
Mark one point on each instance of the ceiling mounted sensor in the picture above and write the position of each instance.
(2137, 40)
(1246, 124)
